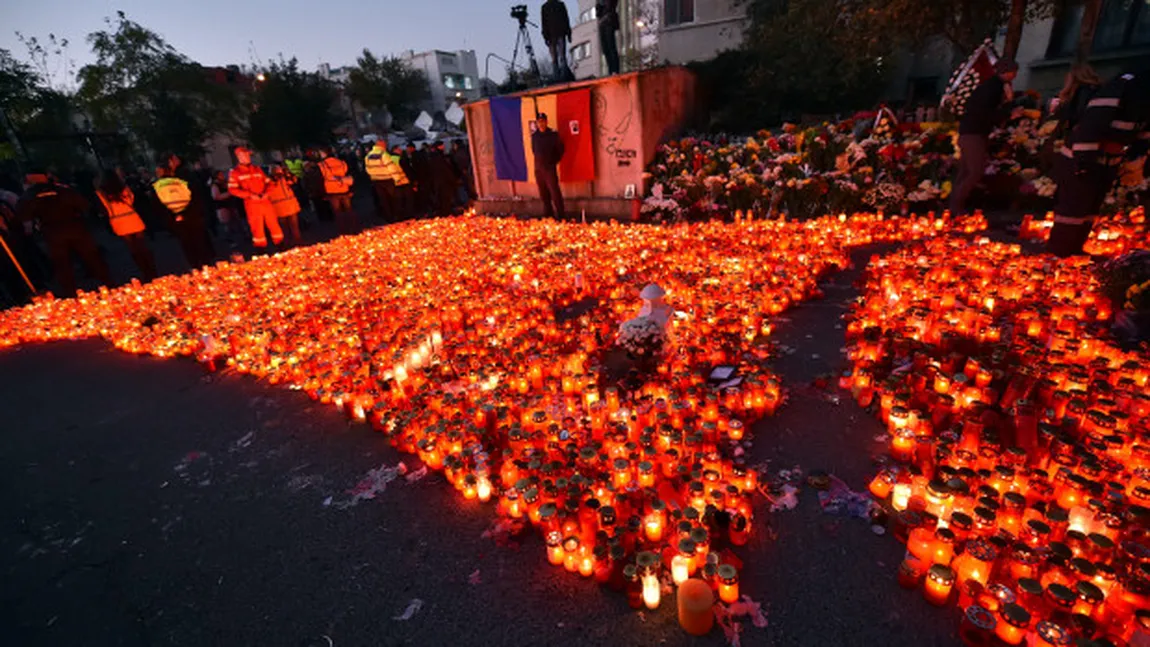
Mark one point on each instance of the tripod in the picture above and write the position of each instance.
(525, 38)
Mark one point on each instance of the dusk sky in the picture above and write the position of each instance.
(221, 32)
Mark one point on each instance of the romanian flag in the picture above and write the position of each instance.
(513, 123)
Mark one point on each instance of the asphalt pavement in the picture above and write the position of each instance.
(148, 503)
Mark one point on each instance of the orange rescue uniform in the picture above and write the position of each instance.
(249, 183)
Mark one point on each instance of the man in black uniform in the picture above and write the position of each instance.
(548, 150)
(1114, 128)
(59, 210)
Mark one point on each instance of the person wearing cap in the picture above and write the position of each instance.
(120, 203)
(1113, 129)
(249, 183)
(984, 110)
(185, 212)
(58, 211)
(547, 147)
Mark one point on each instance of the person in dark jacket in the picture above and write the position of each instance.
(547, 147)
(197, 180)
(1081, 84)
(420, 176)
(984, 111)
(607, 12)
(444, 180)
(59, 211)
(461, 159)
(556, 27)
(313, 184)
(184, 208)
(1114, 127)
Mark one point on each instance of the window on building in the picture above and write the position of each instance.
(1122, 24)
(458, 82)
(678, 12)
(447, 60)
(581, 52)
(587, 16)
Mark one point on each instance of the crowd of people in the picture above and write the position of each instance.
(47, 224)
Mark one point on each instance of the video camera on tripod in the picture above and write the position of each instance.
(519, 12)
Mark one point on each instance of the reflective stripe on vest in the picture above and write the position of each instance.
(174, 193)
(117, 208)
(374, 166)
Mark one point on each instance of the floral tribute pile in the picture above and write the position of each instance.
(1018, 472)
(859, 164)
(450, 337)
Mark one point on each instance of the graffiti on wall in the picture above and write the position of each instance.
(614, 128)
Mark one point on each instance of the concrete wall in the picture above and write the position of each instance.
(718, 26)
(631, 114)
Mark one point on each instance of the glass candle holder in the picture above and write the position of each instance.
(939, 585)
(1013, 624)
(728, 583)
(977, 628)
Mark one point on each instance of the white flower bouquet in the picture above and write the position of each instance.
(642, 337)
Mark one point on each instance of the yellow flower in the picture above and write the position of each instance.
(946, 188)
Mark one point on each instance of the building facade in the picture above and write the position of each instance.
(452, 76)
(637, 30)
(1045, 53)
(1121, 44)
(695, 30)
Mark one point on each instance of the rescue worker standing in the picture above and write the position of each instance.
(337, 183)
(547, 148)
(59, 210)
(185, 212)
(249, 183)
(285, 203)
(119, 202)
(378, 165)
(1114, 126)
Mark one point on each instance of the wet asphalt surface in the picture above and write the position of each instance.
(146, 503)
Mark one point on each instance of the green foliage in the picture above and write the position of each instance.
(38, 114)
(142, 85)
(816, 56)
(388, 82)
(293, 108)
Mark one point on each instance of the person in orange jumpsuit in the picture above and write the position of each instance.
(249, 183)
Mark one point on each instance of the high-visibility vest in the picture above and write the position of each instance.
(383, 166)
(282, 197)
(174, 193)
(246, 181)
(295, 165)
(125, 221)
(374, 165)
(335, 177)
